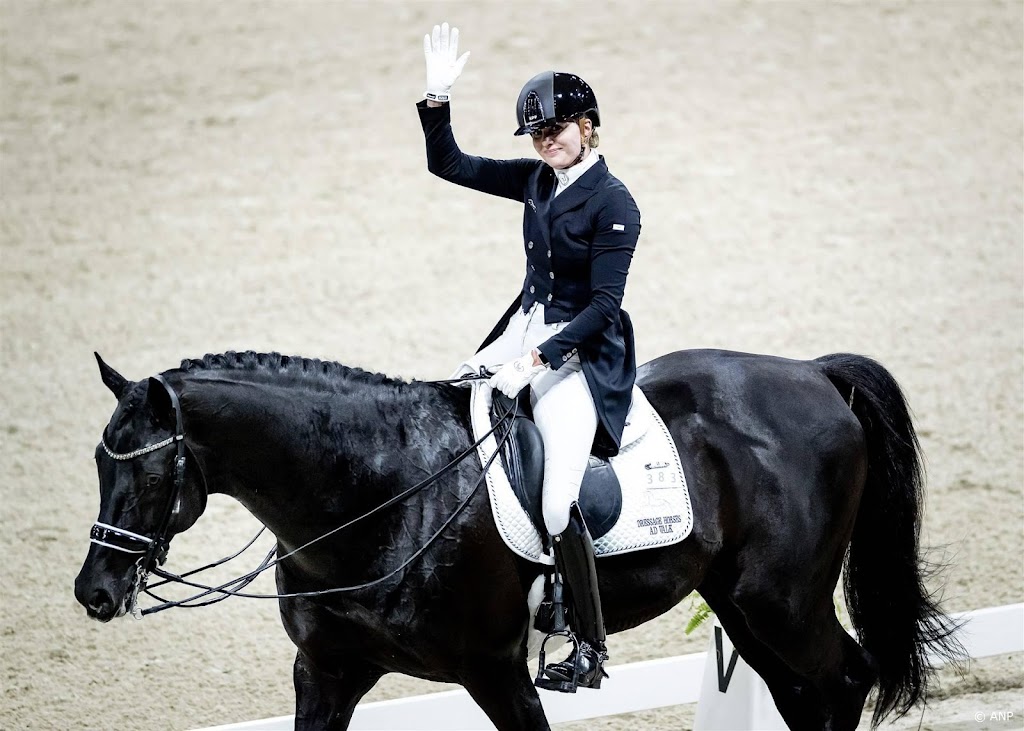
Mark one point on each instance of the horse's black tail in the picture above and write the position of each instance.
(897, 619)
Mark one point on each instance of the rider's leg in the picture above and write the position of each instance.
(574, 551)
(565, 414)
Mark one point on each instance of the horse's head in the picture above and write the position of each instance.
(150, 489)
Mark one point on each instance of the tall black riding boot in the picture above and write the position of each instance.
(574, 554)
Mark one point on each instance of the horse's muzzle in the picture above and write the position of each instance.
(100, 605)
(104, 596)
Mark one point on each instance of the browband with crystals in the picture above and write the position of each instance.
(140, 450)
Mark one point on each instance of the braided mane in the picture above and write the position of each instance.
(290, 364)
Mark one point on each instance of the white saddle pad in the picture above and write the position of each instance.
(655, 502)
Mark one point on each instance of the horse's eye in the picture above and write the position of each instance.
(153, 480)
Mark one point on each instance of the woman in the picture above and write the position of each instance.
(565, 335)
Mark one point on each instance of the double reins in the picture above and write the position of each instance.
(153, 551)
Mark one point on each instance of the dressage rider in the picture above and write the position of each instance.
(565, 334)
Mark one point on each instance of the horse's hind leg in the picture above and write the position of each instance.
(327, 701)
(504, 690)
(827, 675)
(794, 696)
(789, 634)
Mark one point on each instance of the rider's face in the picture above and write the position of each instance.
(559, 144)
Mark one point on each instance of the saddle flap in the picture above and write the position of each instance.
(522, 456)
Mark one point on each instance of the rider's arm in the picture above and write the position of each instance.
(616, 232)
(505, 178)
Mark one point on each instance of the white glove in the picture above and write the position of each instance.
(443, 64)
(513, 377)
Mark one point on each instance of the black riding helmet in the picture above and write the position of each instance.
(552, 98)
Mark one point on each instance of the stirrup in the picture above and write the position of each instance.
(549, 677)
(572, 666)
(545, 683)
(562, 670)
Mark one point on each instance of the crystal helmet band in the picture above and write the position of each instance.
(554, 97)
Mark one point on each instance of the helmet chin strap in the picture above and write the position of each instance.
(583, 146)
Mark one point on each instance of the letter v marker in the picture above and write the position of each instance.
(724, 676)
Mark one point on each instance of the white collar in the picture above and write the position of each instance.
(569, 176)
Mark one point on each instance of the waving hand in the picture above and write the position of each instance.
(444, 65)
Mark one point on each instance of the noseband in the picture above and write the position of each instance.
(152, 551)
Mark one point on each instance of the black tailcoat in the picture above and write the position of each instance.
(578, 250)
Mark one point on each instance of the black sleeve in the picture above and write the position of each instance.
(504, 178)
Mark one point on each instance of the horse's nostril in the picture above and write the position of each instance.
(100, 603)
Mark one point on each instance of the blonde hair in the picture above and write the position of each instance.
(595, 139)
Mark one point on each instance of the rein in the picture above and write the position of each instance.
(154, 550)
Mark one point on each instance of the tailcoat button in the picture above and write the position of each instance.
(549, 253)
(532, 289)
(529, 245)
(552, 275)
(549, 297)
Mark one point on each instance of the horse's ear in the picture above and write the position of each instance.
(160, 402)
(117, 383)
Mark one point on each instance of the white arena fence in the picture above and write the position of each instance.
(635, 687)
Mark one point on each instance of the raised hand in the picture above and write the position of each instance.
(444, 65)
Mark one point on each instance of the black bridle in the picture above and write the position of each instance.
(153, 551)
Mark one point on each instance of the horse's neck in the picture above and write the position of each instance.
(302, 460)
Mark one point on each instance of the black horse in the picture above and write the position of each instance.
(793, 467)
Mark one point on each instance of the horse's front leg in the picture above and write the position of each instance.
(327, 700)
(504, 690)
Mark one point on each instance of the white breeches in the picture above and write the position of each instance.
(563, 409)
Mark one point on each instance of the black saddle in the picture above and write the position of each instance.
(522, 455)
